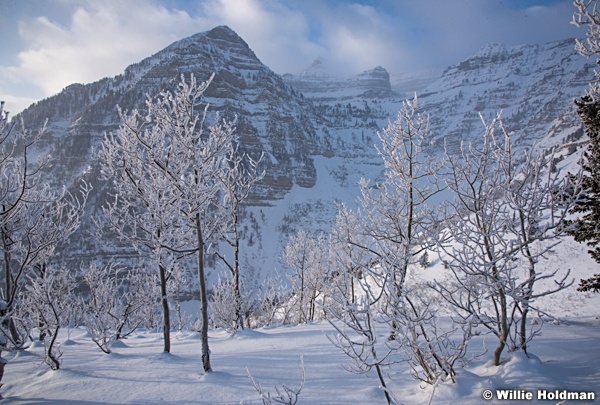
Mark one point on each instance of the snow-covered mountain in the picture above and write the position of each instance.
(269, 113)
(317, 131)
(414, 81)
(315, 83)
(271, 117)
(532, 85)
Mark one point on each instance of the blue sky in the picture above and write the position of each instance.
(49, 44)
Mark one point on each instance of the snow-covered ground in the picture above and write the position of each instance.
(566, 356)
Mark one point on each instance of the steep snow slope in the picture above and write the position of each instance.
(411, 82)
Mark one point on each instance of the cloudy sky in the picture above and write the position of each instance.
(46, 45)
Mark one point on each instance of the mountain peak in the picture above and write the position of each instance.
(317, 63)
(316, 69)
(490, 50)
(223, 32)
(221, 37)
(316, 82)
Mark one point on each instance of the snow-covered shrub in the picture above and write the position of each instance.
(116, 302)
(271, 299)
(504, 216)
(49, 299)
(224, 310)
(432, 350)
(285, 395)
(307, 256)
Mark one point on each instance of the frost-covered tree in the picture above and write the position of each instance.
(114, 301)
(360, 327)
(181, 283)
(374, 248)
(270, 298)
(141, 212)
(307, 257)
(533, 193)
(166, 167)
(49, 298)
(34, 218)
(347, 257)
(478, 248)
(31, 235)
(226, 305)
(431, 350)
(239, 177)
(297, 255)
(19, 173)
(587, 15)
(396, 211)
(505, 216)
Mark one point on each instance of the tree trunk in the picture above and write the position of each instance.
(502, 314)
(7, 275)
(371, 341)
(3, 362)
(301, 315)
(203, 299)
(54, 362)
(165, 307)
(502, 338)
(530, 283)
(9, 295)
(236, 276)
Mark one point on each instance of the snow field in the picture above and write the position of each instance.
(565, 356)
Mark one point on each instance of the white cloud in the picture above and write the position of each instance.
(360, 37)
(101, 39)
(276, 33)
(16, 104)
(454, 30)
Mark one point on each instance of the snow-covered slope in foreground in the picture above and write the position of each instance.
(565, 357)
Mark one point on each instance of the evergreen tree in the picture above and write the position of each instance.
(590, 284)
(585, 227)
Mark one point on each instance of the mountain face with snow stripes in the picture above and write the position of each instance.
(317, 131)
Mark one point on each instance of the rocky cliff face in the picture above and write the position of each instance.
(268, 112)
